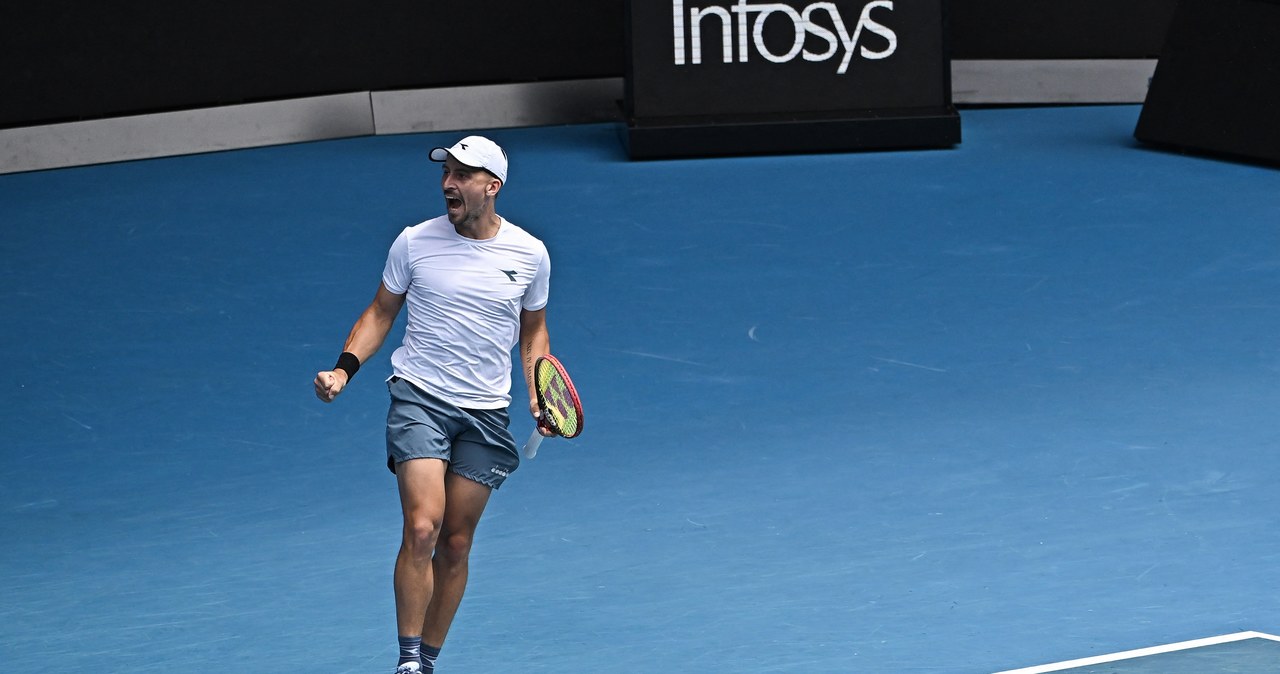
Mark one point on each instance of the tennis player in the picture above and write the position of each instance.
(475, 285)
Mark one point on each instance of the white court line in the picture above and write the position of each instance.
(1141, 652)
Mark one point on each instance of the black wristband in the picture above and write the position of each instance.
(348, 363)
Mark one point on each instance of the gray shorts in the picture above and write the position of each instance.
(475, 443)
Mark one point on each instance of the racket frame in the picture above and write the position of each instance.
(545, 419)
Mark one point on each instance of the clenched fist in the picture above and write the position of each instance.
(329, 384)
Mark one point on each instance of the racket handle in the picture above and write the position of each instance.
(531, 447)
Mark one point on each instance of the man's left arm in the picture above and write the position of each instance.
(535, 341)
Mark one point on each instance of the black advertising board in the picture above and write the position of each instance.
(1215, 88)
(714, 77)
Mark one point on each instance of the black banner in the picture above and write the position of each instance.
(708, 57)
(708, 77)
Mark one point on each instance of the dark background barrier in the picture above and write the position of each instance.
(1059, 29)
(63, 61)
(1217, 87)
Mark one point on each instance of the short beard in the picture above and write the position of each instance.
(469, 217)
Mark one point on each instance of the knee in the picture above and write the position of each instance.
(421, 532)
(454, 547)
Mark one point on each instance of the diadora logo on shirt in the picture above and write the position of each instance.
(821, 30)
(510, 274)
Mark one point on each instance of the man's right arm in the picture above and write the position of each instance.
(365, 339)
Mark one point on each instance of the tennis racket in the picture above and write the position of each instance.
(559, 407)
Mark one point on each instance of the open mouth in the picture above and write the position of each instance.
(452, 203)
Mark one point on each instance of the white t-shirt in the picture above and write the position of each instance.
(464, 300)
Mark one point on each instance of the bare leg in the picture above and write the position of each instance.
(466, 500)
(422, 501)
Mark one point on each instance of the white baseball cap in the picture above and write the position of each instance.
(476, 152)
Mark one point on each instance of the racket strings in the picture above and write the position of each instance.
(558, 401)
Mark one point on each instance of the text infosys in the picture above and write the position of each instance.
(744, 28)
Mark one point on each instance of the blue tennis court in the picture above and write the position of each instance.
(947, 411)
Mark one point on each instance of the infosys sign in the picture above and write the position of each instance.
(741, 30)
(708, 57)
